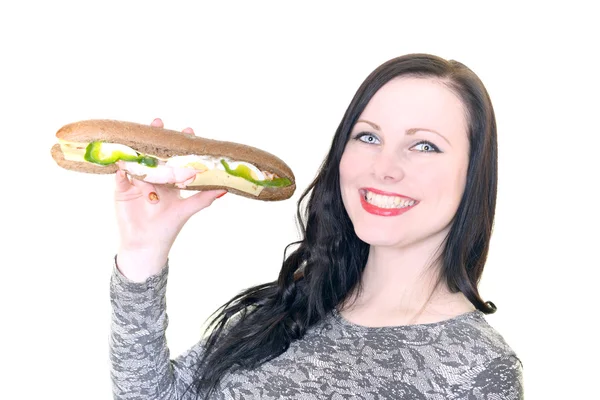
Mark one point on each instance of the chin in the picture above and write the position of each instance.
(379, 237)
(396, 235)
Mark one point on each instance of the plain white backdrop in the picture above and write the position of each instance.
(280, 77)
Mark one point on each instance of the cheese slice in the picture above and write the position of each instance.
(73, 151)
(222, 178)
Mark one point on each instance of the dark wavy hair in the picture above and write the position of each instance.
(259, 323)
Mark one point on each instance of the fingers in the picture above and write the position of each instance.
(125, 190)
(189, 131)
(200, 200)
(158, 123)
(122, 183)
(148, 191)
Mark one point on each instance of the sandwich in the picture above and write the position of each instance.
(167, 157)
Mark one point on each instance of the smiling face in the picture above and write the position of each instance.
(403, 171)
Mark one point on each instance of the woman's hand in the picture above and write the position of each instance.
(149, 218)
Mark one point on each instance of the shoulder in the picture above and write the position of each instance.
(496, 371)
(473, 330)
(500, 378)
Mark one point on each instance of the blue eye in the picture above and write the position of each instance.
(367, 138)
(426, 147)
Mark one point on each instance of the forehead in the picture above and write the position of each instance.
(407, 102)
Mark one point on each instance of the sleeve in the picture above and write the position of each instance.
(502, 379)
(140, 363)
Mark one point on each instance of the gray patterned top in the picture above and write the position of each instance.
(460, 358)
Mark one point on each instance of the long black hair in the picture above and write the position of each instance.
(328, 261)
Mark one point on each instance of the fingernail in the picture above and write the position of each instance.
(221, 195)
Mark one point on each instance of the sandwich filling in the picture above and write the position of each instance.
(182, 171)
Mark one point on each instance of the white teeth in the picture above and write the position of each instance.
(387, 201)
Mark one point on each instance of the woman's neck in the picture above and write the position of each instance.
(402, 286)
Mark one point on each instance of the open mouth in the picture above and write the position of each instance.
(386, 204)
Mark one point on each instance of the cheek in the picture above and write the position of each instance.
(447, 186)
(349, 167)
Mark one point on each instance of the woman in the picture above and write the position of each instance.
(379, 300)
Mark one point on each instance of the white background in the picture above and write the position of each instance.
(264, 74)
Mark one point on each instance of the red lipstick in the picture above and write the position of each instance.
(385, 212)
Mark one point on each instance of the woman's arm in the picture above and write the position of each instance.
(141, 367)
(149, 218)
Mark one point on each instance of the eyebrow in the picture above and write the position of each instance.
(410, 131)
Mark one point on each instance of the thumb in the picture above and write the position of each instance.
(200, 200)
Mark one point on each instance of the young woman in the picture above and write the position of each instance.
(379, 300)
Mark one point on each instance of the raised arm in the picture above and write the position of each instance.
(149, 218)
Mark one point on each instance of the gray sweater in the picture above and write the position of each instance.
(460, 358)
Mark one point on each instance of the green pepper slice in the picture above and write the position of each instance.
(93, 154)
(244, 172)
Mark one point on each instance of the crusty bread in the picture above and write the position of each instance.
(165, 143)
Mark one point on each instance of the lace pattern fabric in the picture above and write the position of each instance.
(460, 358)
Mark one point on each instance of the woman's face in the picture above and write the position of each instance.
(404, 168)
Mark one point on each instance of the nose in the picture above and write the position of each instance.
(388, 168)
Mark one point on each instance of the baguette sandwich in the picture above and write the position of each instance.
(166, 157)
